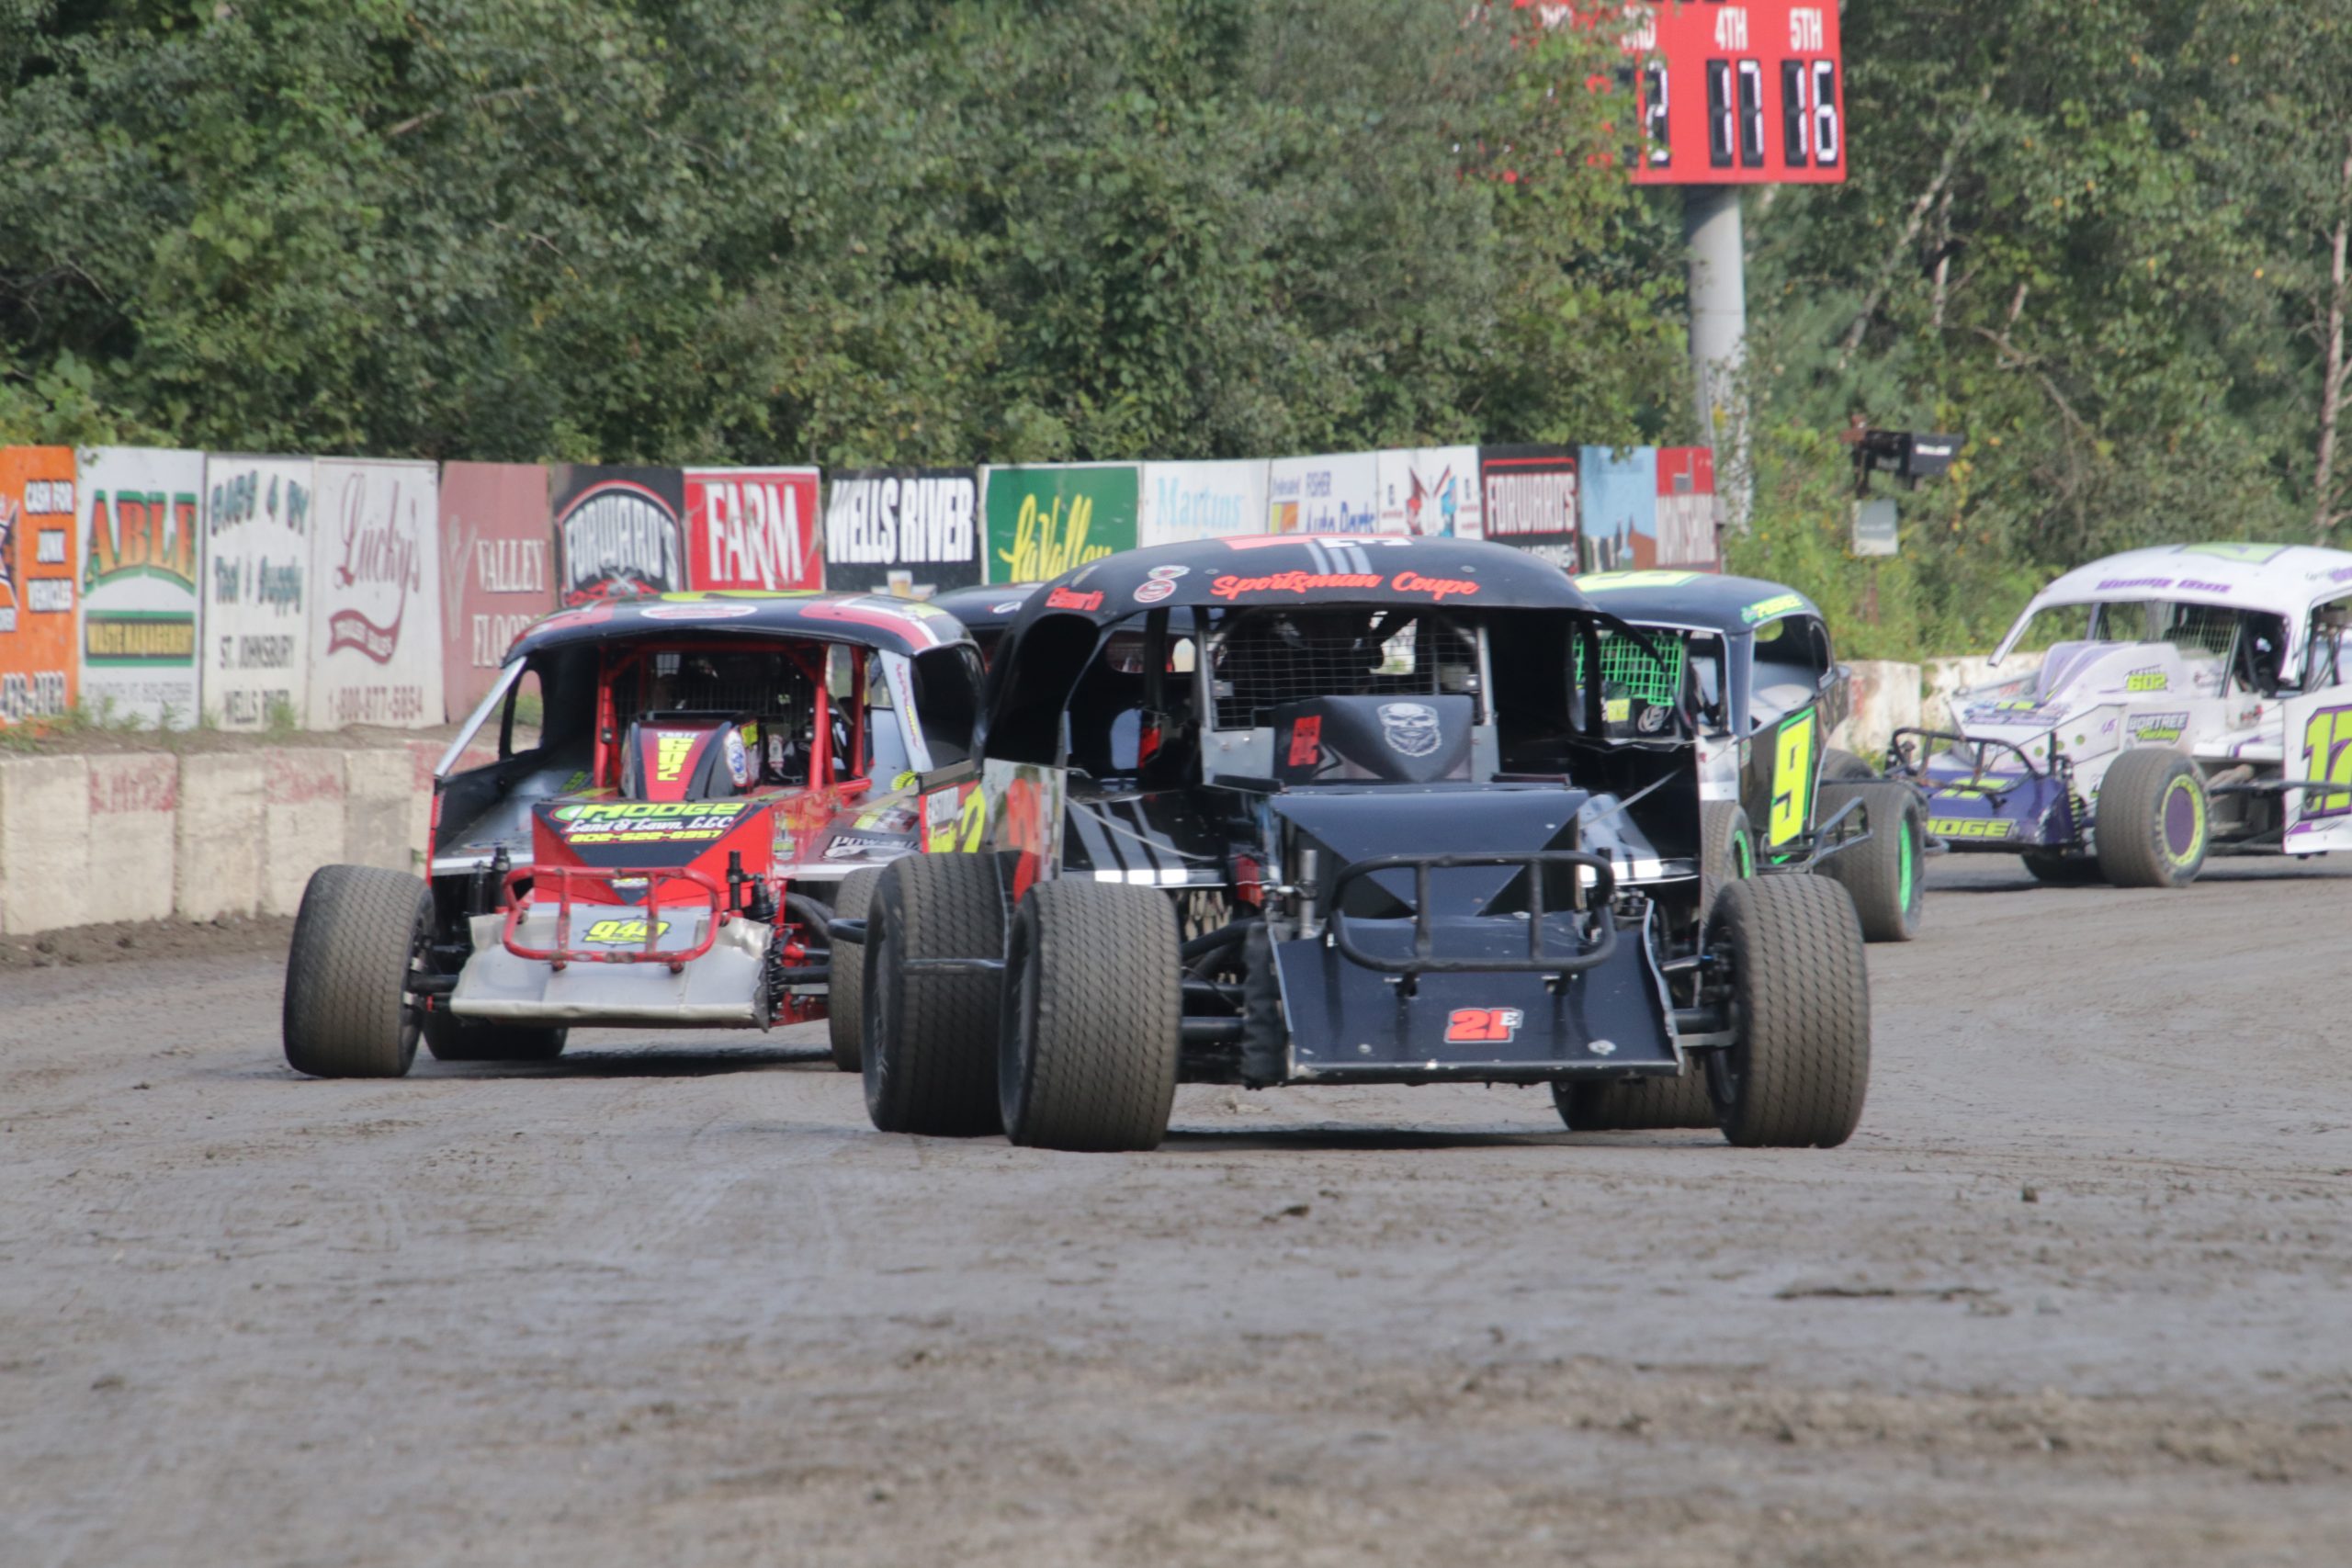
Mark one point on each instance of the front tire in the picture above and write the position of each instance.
(845, 980)
(1800, 1064)
(2154, 823)
(1883, 874)
(929, 1053)
(1093, 1013)
(361, 933)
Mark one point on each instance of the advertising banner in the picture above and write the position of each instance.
(1202, 500)
(1046, 519)
(142, 533)
(1528, 497)
(257, 530)
(37, 523)
(617, 531)
(1686, 507)
(1431, 491)
(753, 529)
(1331, 495)
(909, 532)
(1619, 495)
(497, 573)
(376, 594)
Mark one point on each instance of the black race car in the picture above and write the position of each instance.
(1336, 809)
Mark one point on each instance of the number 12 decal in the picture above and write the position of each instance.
(2327, 759)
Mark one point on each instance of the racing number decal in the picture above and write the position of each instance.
(1482, 1025)
(1793, 778)
(2327, 759)
(973, 824)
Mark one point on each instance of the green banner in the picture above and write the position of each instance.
(1045, 521)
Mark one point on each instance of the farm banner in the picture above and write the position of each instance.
(1047, 520)
(1686, 507)
(1527, 498)
(376, 594)
(1431, 491)
(1332, 494)
(497, 572)
(37, 524)
(617, 531)
(142, 532)
(753, 529)
(907, 532)
(257, 526)
(1202, 500)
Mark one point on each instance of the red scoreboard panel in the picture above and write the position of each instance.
(1739, 92)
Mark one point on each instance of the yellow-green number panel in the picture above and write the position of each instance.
(1792, 778)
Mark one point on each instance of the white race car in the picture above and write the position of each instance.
(2190, 699)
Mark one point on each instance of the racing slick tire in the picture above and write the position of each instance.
(1727, 850)
(2062, 870)
(453, 1039)
(1088, 1053)
(845, 980)
(929, 1057)
(1844, 767)
(1637, 1104)
(2153, 822)
(1800, 1063)
(359, 934)
(1883, 874)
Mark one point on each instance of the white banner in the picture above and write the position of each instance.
(257, 524)
(1338, 494)
(376, 594)
(1202, 500)
(139, 621)
(1430, 491)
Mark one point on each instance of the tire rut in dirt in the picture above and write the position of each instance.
(929, 1057)
(1802, 1063)
(1093, 1031)
(346, 1012)
(845, 982)
(1884, 874)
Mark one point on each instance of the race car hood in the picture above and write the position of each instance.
(1365, 823)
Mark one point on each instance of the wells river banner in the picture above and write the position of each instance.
(907, 532)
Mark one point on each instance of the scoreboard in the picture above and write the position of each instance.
(1739, 92)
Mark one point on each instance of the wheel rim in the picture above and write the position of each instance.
(1906, 882)
(1743, 857)
(2184, 821)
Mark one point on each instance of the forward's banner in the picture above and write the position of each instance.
(1202, 500)
(1430, 491)
(257, 532)
(753, 529)
(1686, 507)
(376, 594)
(1332, 494)
(907, 532)
(1646, 508)
(36, 524)
(497, 572)
(619, 531)
(1528, 497)
(1048, 520)
(142, 533)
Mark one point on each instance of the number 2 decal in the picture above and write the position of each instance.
(1793, 778)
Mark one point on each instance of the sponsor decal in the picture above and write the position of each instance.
(604, 813)
(1473, 1026)
(1306, 741)
(699, 612)
(619, 933)
(672, 752)
(2157, 728)
(1970, 827)
(1772, 608)
(1653, 719)
(1070, 599)
(855, 846)
(739, 759)
(1230, 586)
(2149, 680)
(1153, 592)
(2252, 555)
(1410, 729)
(1170, 573)
(1617, 710)
(1614, 582)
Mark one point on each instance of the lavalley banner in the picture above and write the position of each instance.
(142, 532)
(1336, 494)
(1202, 500)
(909, 532)
(376, 594)
(619, 531)
(753, 529)
(1045, 521)
(37, 562)
(1430, 491)
(257, 532)
(497, 572)
(1529, 496)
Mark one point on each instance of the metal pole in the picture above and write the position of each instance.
(1711, 224)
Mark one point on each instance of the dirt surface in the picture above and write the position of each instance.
(2075, 1293)
(144, 941)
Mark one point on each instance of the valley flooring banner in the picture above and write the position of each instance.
(753, 529)
(142, 533)
(497, 572)
(1528, 495)
(1333, 494)
(907, 532)
(1046, 519)
(1202, 500)
(1431, 493)
(257, 531)
(619, 531)
(376, 594)
(37, 586)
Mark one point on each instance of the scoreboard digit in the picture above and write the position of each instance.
(1740, 92)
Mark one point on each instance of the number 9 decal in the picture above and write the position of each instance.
(1793, 778)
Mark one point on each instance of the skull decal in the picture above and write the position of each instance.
(1410, 729)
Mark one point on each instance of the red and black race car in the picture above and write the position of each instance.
(709, 774)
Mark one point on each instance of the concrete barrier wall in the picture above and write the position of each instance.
(1885, 697)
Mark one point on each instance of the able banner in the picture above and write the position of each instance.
(1331, 495)
(376, 594)
(1430, 491)
(142, 533)
(617, 531)
(497, 572)
(907, 532)
(257, 527)
(37, 524)
(753, 529)
(1529, 500)
(1047, 520)
(1202, 500)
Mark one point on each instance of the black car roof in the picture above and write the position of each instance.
(988, 607)
(1733, 605)
(867, 620)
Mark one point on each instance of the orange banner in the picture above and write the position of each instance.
(37, 583)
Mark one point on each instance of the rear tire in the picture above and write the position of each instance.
(453, 1039)
(1800, 1067)
(1844, 767)
(2153, 822)
(360, 932)
(1093, 1007)
(1883, 874)
(929, 1056)
(845, 982)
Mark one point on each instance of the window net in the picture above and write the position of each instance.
(1267, 659)
(1629, 669)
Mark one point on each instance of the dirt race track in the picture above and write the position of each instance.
(2076, 1294)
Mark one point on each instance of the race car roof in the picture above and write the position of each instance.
(2282, 580)
(1733, 606)
(985, 608)
(869, 620)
